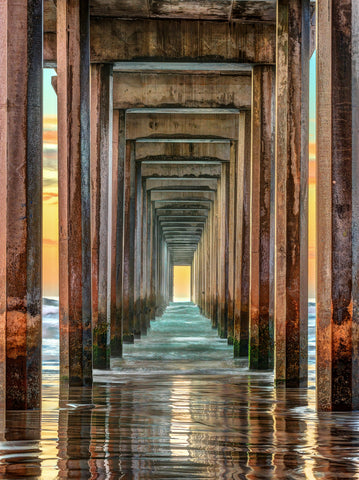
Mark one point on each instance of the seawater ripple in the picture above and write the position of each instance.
(177, 406)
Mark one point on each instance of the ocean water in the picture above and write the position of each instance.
(177, 406)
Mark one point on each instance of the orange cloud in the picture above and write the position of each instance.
(49, 196)
(49, 242)
(49, 136)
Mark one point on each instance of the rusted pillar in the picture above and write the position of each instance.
(154, 236)
(201, 274)
(117, 228)
(208, 267)
(170, 281)
(213, 263)
(114, 320)
(118, 152)
(21, 203)
(138, 252)
(242, 252)
(128, 244)
(101, 173)
(215, 258)
(222, 255)
(231, 242)
(144, 256)
(73, 70)
(291, 277)
(337, 205)
(148, 258)
(261, 345)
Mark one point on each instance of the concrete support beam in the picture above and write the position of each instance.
(193, 204)
(101, 196)
(182, 196)
(189, 184)
(21, 203)
(242, 247)
(181, 170)
(337, 205)
(177, 123)
(184, 149)
(73, 70)
(186, 41)
(136, 90)
(291, 263)
(261, 344)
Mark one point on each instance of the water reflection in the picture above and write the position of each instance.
(166, 412)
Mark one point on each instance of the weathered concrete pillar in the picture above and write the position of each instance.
(215, 259)
(114, 320)
(208, 267)
(21, 203)
(242, 255)
(138, 252)
(213, 264)
(231, 242)
(144, 256)
(222, 255)
(128, 244)
(337, 204)
(170, 281)
(148, 258)
(101, 214)
(292, 118)
(261, 345)
(118, 154)
(73, 71)
(154, 239)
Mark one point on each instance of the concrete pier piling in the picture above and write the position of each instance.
(193, 153)
(261, 344)
(337, 237)
(291, 210)
(73, 92)
(21, 203)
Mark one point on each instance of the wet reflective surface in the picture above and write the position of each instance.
(177, 407)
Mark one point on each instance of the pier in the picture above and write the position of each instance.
(183, 131)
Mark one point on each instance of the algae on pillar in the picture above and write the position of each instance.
(101, 214)
(21, 203)
(242, 248)
(128, 247)
(291, 214)
(73, 90)
(261, 345)
(337, 205)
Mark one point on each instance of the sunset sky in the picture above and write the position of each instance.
(50, 192)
